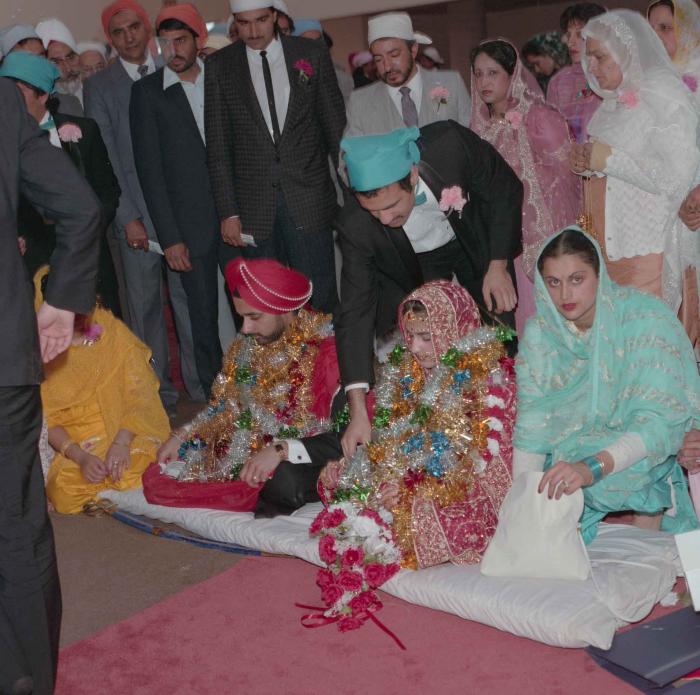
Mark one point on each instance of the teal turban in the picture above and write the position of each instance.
(374, 161)
(32, 69)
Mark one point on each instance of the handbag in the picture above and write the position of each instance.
(537, 537)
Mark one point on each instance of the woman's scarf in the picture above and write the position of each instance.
(632, 371)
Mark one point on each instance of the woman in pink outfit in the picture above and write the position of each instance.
(508, 111)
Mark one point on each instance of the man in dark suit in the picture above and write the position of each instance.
(167, 131)
(426, 208)
(107, 96)
(30, 597)
(81, 140)
(273, 115)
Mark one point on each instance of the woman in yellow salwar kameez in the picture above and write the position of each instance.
(103, 411)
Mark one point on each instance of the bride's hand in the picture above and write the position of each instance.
(565, 478)
(331, 473)
(388, 495)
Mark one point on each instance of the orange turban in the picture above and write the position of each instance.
(120, 6)
(267, 285)
(188, 14)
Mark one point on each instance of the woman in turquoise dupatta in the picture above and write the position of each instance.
(615, 399)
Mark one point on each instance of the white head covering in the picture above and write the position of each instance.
(394, 25)
(249, 5)
(281, 6)
(12, 35)
(217, 41)
(55, 30)
(85, 46)
(361, 58)
(434, 55)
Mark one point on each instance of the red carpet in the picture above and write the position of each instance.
(239, 632)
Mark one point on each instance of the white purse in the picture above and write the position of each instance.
(537, 537)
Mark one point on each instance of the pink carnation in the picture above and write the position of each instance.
(440, 94)
(390, 570)
(330, 595)
(452, 200)
(351, 557)
(70, 132)
(365, 602)
(349, 623)
(335, 518)
(326, 550)
(325, 578)
(306, 70)
(350, 581)
(515, 118)
(371, 514)
(690, 82)
(629, 98)
(375, 574)
(318, 523)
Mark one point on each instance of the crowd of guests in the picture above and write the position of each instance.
(518, 266)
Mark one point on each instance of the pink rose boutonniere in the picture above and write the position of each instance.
(629, 98)
(690, 82)
(440, 96)
(515, 118)
(305, 69)
(92, 334)
(69, 132)
(453, 200)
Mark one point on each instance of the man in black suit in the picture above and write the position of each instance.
(273, 115)
(30, 597)
(167, 132)
(80, 139)
(426, 208)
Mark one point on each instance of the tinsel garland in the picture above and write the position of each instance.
(263, 392)
(429, 436)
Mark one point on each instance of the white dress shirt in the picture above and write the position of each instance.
(280, 81)
(132, 69)
(427, 227)
(415, 84)
(194, 91)
(53, 132)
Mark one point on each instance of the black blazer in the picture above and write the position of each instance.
(44, 175)
(171, 161)
(245, 166)
(379, 265)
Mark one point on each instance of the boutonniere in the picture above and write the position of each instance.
(630, 98)
(453, 200)
(305, 69)
(690, 82)
(515, 118)
(440, 95)
(70, 132)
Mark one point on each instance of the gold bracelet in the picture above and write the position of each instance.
(65, 446)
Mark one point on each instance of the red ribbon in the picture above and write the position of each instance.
(312, 620)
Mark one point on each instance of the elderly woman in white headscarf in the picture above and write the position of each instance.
(642, 156)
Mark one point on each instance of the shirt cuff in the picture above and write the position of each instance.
(297, 451)
(357, 385)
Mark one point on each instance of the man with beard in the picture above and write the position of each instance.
(107, 97)
(167, 132)
(62, 51)
(405, 95)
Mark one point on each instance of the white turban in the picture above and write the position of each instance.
(55, 30)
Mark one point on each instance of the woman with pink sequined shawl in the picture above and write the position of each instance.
(509, 111)
(441, 450)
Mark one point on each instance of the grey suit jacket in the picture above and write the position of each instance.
(44, 175)
(371, 110)
(107, 96)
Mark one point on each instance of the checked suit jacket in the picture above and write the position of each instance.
(246, 167)
(380, 266)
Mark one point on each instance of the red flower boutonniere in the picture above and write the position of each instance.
(70, 132)
(305, 69)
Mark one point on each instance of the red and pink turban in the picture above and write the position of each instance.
(120, 6)
(188, 14)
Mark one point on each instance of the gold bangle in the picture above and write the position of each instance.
(65, 446)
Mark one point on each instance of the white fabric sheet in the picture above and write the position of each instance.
(633, 569)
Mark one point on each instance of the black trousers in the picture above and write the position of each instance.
(311, 253)
(30, 594)
(442, 262)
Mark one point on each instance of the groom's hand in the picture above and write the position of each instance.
(498, 288)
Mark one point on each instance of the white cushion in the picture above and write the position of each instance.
(633, 569)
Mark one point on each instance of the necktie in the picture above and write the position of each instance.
(408, 108)
(142, 70)
(270, 97)
(48, 124)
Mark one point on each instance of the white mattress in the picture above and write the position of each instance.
(632, 571)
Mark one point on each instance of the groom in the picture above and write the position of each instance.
(429, 203)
